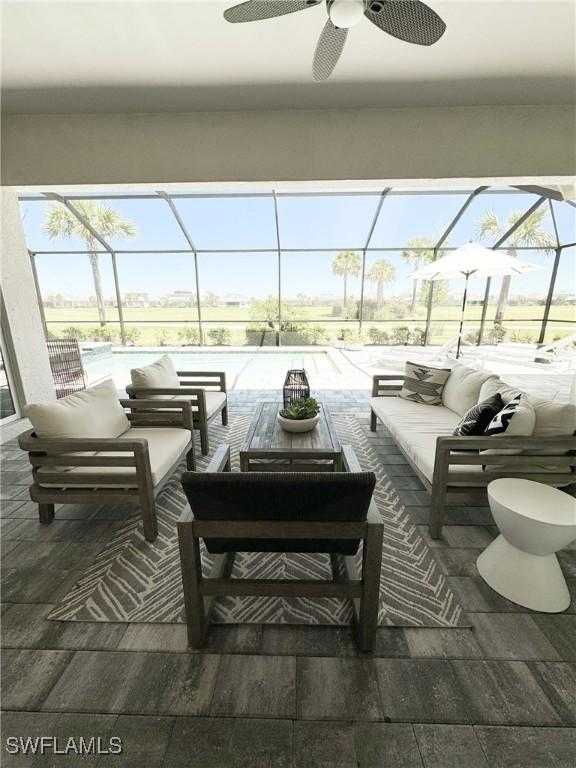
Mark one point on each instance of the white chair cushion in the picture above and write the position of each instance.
(213, 401)
(165, 446)
(94, 412)
(161, 374)
(462, 390)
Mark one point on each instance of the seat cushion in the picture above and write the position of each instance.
(165, 446)
(214, 401)
(161, 374)
(94, 412)
(462, 390)
(415, 427)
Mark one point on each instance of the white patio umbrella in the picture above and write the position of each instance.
(472, 260)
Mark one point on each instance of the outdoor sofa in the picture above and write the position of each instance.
(206, 392)
(92, 448)
(330, 512)
(461, 465)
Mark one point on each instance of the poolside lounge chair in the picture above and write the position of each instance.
(328, 512)
(205, 390)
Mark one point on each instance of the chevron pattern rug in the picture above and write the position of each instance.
(135, 581)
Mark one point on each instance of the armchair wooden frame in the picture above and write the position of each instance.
(193, 386)
(131, 487)
(362, 588)
(453, 451)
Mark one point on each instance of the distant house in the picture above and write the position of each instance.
(66, 300)
(180, 299)
(234, 300)
(136, 299)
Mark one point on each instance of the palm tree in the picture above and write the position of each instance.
(530, 234)
(346, 264)
(416, 257)
(381, 272)
(60, 222)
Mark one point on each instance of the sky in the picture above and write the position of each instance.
(336, 223)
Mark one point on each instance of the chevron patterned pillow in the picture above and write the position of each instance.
(423, 383)
(475, 421)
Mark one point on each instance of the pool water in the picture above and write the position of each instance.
(250, 369)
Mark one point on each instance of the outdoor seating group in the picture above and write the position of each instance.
(294, 493)
(92, 447)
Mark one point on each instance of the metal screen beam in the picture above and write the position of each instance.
(167, 198)
(521, 220)
(550, 295)
(38, 292)
(97, 236)
(279, 251)
(383, 195)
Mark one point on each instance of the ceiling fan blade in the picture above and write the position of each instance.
(408, 20)
(254, 10)
(328, 50)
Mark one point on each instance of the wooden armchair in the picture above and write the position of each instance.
(133, 467)
(328, 512)
(206, 392)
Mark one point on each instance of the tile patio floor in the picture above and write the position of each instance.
(501, 693)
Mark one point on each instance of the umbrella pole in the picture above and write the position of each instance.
(462, 317)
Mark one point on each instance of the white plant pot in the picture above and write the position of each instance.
(298, 425)
(354, 347)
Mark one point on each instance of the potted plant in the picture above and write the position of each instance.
(300, 416)
(354, 340)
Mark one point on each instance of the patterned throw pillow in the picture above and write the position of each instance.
(502, 420)
(477, 419)
(424, 384)
(516, 418)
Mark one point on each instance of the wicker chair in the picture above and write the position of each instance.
(280, 512)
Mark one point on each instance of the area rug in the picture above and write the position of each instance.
(135, 581)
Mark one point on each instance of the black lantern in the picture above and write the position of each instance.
(296, 386)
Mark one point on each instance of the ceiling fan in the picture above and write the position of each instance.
(408, 20)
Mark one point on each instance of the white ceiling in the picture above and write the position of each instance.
(180, 55)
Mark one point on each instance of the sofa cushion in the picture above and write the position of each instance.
(462, 390)
(161, 374)
(423, 383)
(165, 446)
(416, 428)
(94, 412)
(495, 386)
(475, 421)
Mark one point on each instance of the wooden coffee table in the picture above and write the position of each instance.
(268, 448)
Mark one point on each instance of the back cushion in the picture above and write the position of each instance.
(318, 496)
(94, 412)
(462, 390)
(496, 386)
(423, 383)
(161, 374)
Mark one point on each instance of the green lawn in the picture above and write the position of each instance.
(161, 325)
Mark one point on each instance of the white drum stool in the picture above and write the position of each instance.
(535, 521)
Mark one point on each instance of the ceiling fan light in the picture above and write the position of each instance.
(346, 13)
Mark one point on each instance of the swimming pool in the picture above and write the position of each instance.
(244, 369)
